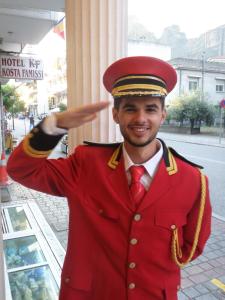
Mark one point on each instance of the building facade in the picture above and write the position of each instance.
(198, 75)
(212, 43)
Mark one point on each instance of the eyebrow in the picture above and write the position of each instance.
(152, 106)
(128, 105)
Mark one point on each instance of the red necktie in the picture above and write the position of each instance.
(136, 188)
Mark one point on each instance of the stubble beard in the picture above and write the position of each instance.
(139, 145)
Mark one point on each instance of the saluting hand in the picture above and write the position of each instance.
(76, 117)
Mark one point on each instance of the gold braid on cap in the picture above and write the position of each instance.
(175, 247)
(139, 85)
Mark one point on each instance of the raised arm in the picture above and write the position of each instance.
(28, 164)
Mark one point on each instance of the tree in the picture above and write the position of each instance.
(190, 108)
(176, 110)
(11, 100)
(62, 107)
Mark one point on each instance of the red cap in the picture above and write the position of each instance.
(140, 75)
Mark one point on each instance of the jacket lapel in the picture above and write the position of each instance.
(163, 180)
(118, 179)
(160, 185)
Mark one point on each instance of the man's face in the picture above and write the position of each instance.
(139, 119)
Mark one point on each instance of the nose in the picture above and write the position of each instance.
(140, 116)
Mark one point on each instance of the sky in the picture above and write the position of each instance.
(194, 17)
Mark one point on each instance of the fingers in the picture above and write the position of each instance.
(89, 118)
(76, 117)
(93, 108)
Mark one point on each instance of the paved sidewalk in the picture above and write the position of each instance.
(196, 277)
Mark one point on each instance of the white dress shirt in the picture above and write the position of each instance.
(151, 166)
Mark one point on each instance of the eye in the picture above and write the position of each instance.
(151, 109)
(129, 109)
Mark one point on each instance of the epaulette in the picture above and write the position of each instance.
(174, 152)
(113, 145)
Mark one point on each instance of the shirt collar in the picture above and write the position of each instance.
(150, 165)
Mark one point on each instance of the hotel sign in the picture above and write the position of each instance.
(19, 67)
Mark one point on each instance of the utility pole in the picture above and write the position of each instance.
(203, 74)
(13, 99)
(222, 108)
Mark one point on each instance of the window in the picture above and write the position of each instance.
(193, 84)
(219, 88)
(220, 85)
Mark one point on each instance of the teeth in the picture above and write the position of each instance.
(139, 129)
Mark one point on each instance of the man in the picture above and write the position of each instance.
(31, 121)
(138, 210)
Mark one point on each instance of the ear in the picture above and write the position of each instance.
(164, 114)
(115, 115)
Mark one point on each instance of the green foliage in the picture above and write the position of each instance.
(11, 99)
(19, 106)
(62, 107)
(190, 108)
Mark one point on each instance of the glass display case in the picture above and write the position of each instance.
(18, 218)
(23, 251)
(34, 283)
(15, 219)
(32, 267)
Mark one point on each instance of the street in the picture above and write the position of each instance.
(21, 127)
(213, 160)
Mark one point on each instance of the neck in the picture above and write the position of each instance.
(140, 155)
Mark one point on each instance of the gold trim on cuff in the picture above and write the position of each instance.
(31, 151)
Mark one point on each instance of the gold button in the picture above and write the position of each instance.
(132, 265)
(131, 286)
(173, 226)
(137, 217)
(133, 241)
(67, 279)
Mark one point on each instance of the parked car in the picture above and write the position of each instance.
(21, 116)
(64, 144)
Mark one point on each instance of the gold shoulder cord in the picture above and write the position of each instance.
(175, 247)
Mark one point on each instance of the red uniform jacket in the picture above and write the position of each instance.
(116, 252)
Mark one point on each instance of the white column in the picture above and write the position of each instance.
(96, 32)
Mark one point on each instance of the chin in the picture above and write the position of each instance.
(140, 144)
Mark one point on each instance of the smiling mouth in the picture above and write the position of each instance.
(139, 129)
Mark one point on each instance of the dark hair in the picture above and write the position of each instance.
(117, 101)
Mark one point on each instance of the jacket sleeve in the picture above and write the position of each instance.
(29, 164)
(190, 228)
